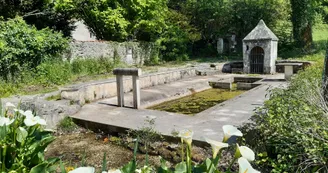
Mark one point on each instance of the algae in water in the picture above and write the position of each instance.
(197, 102)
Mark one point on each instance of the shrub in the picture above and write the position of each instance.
(92, 66)
(174, 44)
(291, 126)
(53, 73)
(23, 141)
(22, 45)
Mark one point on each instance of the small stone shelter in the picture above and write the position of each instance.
(260, 50)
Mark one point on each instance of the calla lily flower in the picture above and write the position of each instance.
(83, 170)
(113, 171)
(6, 121)
(229, 131)
(31, 120)
(186, 136)
(27, 113)
(10, 105)
(245, 166)
(245, 152)
(216, 146)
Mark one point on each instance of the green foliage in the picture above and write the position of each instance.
(50, 74)
(23, 46)
(53, 73)
(303, 15)
(92, 66)
(67, 124)
(121, 20)
(292, 126)
(23, 142)
(40, 13)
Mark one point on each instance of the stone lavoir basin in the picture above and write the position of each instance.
(197, 102)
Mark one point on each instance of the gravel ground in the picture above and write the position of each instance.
(71, 148)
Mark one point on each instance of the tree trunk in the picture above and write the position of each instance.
(302, 23)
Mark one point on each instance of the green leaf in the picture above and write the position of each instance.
(130, 167)
(39, 168)
(62, 167)
(180, 167)
(104, 164)
(21, 134)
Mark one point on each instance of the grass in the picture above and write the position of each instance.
(54, 97)
(320, 38)
(67, 125)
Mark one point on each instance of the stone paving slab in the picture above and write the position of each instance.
(208, 123)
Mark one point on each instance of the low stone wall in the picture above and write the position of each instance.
(104, 89)
(246, 86)
(52, 111)
(221, 84)
(132, 53)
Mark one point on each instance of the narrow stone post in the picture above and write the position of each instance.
(120, 90)
(136, 92)
(288, 72)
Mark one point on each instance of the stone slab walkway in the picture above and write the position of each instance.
(208, 123)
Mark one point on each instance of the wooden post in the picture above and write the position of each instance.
(120, 91)
(136, 92)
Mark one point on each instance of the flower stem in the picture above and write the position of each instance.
(3, 168)
(230, 166)
(189, 159)
(182, 151)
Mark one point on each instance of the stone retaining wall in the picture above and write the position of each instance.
(104, 89)
(132, 53)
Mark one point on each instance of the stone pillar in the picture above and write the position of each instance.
(220, 46)
(136, 92)
(120, 90)
(135, 73)
(288, 72)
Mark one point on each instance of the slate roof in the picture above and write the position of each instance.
(261, 32)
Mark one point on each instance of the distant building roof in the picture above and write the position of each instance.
(82, 33)
(261, 32)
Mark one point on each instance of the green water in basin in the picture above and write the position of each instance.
(197, 102)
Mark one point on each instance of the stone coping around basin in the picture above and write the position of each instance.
(88, 92)
(112, 79)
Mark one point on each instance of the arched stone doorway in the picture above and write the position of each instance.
(257, 60)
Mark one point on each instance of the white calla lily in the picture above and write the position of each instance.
(83, 170)
(246, 152)
(229, 131)
(245, 166)
(113, 171)
(31, 120)
(186, 136)
(10, 105)
(216, 146)
(4, 121)
(27, 114)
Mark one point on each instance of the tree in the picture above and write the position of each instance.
(302, 19)
(121, 20)
(40, 13)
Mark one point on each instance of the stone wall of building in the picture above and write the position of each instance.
(269, 67)
(131, 53)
